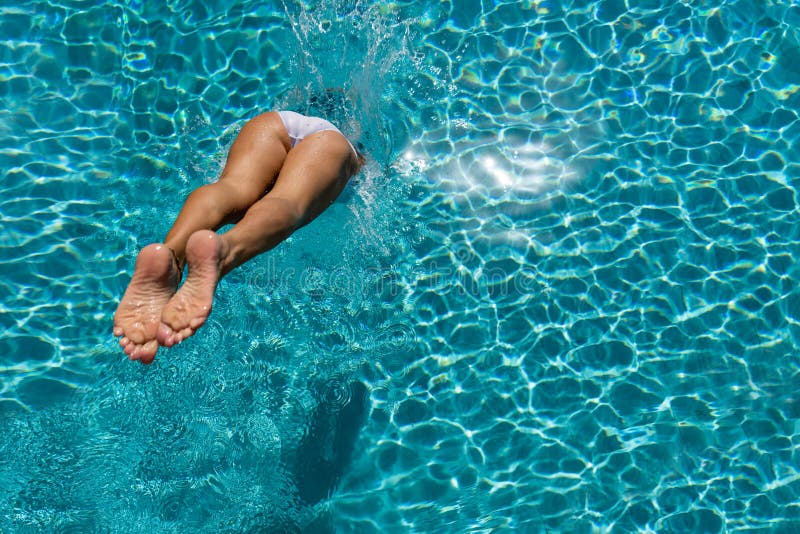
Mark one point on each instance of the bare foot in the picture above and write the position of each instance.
(139, 312)
(188, 309)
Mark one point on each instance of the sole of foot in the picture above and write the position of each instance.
(138, 315)
(189, 308)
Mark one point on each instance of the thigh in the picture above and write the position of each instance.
(256, 156)
(314, 173)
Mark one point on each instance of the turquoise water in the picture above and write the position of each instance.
(561, 296)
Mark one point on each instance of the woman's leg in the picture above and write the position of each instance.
(253, 163)
(313, 175)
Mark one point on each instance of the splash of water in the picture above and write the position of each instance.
(358, 49)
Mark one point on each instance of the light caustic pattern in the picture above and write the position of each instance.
(562, 296)
(603, 289)
(110, 114)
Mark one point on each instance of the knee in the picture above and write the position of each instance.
(223, 197)
(283, 215)
(205, 196)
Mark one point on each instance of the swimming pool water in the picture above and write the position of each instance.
(562, 296)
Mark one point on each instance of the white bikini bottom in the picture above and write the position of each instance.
(300, 126)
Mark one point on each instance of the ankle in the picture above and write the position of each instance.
(230, 256)
(178, 261)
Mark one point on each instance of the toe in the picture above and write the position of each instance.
(165, 335)
(186, 332)
(146, 353)
(135, 353)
